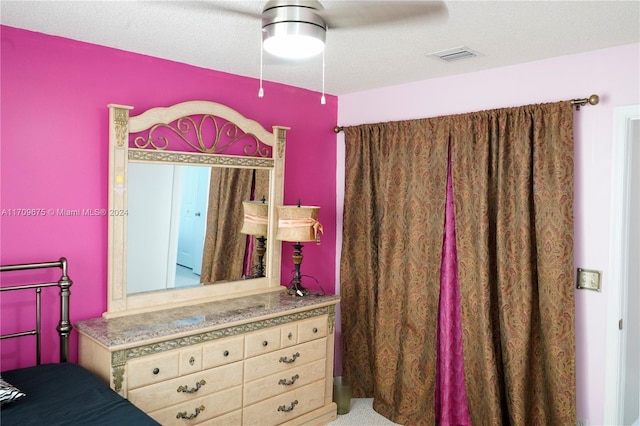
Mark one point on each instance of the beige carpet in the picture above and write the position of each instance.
(362, 414)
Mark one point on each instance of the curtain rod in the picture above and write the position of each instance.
(591, 100)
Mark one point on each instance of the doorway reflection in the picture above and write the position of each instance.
(167, 210)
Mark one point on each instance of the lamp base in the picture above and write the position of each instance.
(298, 291)
(260, 250)
(296, 288)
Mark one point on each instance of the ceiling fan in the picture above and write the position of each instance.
(305, 22)
(296, 29)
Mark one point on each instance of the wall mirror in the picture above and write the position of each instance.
(177, 179)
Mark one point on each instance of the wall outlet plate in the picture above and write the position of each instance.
(588, 279)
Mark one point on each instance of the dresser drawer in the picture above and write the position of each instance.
(285, 407)
(285, 381)
(261, 342)
(313, 328)
(152, 369)
(200, 409)
(190, 360)
(284, 359)
(289, 335)
(182, 389)
(223, 351)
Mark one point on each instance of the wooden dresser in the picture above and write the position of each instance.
(258, 360)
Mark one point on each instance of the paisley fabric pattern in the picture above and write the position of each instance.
(513, 185)
(224, 257)
(513, 191)
(260, 190)
(394, 215)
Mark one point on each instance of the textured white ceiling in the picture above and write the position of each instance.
(206, 34)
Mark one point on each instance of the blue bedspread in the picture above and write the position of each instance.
(67, 394)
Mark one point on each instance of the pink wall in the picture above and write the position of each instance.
(54, 155)
(614, 74)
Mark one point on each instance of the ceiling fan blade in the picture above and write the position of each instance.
(353, 14)
(247, 9)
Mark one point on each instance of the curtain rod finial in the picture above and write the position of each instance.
(591, 100)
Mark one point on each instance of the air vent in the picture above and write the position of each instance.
(455, 54)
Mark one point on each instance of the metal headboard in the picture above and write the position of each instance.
(64, 326)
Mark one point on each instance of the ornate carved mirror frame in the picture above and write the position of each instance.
(121, 125)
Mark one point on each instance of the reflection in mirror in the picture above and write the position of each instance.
(184, 225)
(255, 223)
(225, 247)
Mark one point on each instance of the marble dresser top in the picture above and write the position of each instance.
(164, 323)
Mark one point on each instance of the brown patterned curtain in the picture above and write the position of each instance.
(260, 190)
(261, 185)
(513, 188)
(390, 267)
(224, 245)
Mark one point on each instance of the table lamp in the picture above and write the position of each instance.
(298, 224)
(255, 224)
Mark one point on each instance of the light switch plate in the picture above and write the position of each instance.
(588, 279)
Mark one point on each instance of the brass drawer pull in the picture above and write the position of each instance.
(289, 408)
(186, 389)
(156, 370)
(183, 414)
(289, 383)
(289, 361)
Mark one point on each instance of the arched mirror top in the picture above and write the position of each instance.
(194, 133)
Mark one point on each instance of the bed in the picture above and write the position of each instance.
(58, 393)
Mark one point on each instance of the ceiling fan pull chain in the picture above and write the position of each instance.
(261, 90)
(323, 100)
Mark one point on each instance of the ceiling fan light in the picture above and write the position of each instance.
(293, 40)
